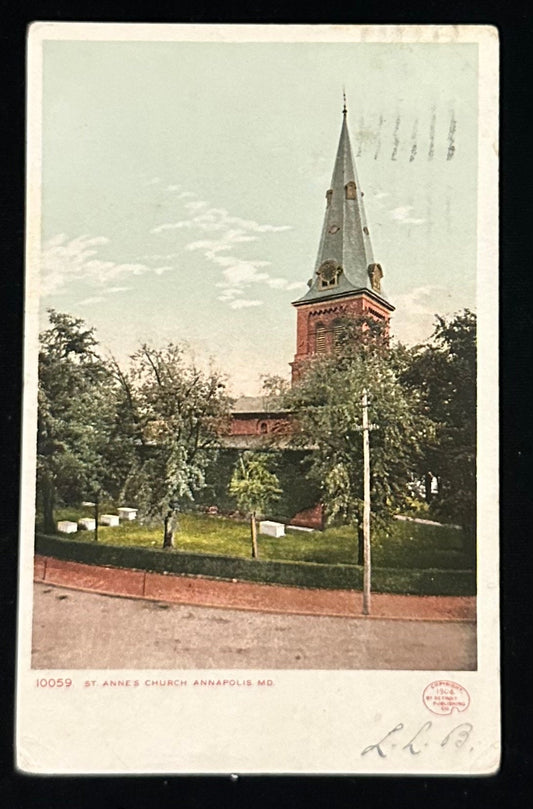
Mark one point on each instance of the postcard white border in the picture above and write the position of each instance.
(311, 721)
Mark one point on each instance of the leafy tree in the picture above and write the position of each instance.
(75, 415)
(358, 336)
(175, 414)
(274, 386)
(327, 414)
(255, 488)
(445, 372)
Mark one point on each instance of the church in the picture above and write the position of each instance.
(347, 283)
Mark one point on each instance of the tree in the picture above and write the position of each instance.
(255, 488)
(176, 413)
(445, 373)
(75, 415)
(274, 386)
(327, 414)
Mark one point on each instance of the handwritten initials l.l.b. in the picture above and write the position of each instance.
(463, 732)
(457, 737)
(410, 745)
(377, 747)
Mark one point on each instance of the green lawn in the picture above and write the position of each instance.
(405, 545)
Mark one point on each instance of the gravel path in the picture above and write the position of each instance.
(76, 630)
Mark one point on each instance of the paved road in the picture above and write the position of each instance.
(76, 630)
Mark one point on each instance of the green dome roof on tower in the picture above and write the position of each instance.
(345, 262)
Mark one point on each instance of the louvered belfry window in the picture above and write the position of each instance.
(320, 339)
(338, 332)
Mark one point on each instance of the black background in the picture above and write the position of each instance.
(512, 785)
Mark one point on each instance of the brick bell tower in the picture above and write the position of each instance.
(347, 280)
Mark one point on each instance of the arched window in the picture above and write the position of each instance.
(320, 339)
(263, 427)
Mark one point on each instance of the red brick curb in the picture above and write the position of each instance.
(247, 595)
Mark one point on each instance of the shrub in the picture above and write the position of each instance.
(297, 574)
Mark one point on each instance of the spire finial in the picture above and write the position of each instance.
(344, 110)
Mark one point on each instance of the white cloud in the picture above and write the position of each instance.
(91, 301)
(226, 242)
(401, 214)
(240, 270)
(65, 262)
(418, 299)
(240, 274)
(172, 226)
(282, 283)
(413, 320)
(229, 293)
(240, 303)
(225, 232)
(113, 290)
(197, 205)
(216, 220)
(160, 256)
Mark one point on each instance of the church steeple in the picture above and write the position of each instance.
(345, 261)
(347, 280)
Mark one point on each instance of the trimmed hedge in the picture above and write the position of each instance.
(298, 574)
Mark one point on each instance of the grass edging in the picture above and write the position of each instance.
(297, 574)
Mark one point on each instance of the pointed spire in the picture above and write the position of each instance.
(345, 250)
(344, 110)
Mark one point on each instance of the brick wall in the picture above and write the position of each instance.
(324, 314)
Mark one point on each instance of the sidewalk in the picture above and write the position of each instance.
(266, 598)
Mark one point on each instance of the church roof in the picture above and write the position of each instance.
(345, 241)
(257, 404)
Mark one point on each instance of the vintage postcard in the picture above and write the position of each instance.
(259, 518)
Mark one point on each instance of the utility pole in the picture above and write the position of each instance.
(367, 562)
(96, 516)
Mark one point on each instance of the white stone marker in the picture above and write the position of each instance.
(272, 529)
(127, 513)
(87, 524)
(109, 519)
(67, 527)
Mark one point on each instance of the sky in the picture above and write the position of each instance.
(183, 187)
